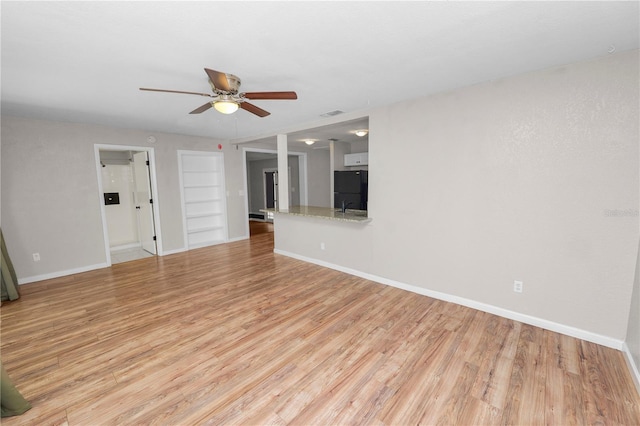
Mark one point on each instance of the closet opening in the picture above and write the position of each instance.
(126, 180)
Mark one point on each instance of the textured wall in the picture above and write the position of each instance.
(50, 200)
(633, 327)
(532, 178)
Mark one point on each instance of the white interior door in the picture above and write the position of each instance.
(143, 197)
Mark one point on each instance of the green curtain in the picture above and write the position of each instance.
(9, 279)
(11, 401)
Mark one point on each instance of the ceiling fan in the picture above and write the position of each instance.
(226, 95)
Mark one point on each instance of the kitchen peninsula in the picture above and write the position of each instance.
(350, 215)
(325, 236)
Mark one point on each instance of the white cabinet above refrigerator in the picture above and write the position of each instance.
(356, 159)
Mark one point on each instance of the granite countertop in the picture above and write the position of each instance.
(350, 215)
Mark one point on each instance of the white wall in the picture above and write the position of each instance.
(255, 185)
(121, 218)
(50, 200)
(361, 145)
(339, 150)
(633, 326)
(319, 173)
(515, 179)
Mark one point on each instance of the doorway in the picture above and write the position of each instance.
(126, 183)
(270, 188)
(260, 188)
(270, 184)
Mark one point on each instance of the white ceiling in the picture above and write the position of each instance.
(85, 61)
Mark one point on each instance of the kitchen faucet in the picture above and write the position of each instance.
(344, 206)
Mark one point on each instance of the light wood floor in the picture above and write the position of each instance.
(234, 334)
(257, 227)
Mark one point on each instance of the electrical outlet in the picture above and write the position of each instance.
(517, 286)
(321, 246)
(36, 257)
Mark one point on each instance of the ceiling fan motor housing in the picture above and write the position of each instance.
(226, 96)
(234, 83)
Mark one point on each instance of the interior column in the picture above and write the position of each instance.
(332, 167)
(283, 174)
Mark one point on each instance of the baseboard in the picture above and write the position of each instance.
(59, 274)
(168, 252)
(125, 246)
(633, 368)
(505, 313)
(233, 240)
(183, 249)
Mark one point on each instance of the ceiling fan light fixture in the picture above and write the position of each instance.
(362, 132)
(225, 107)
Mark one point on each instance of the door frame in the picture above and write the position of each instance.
(275, 190)
(275, 186)
(154, 188)
(139, 213)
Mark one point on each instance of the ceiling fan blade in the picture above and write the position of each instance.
(270, 95)
(202, 108)
(254, 109)
(177, 91)
(219, 79)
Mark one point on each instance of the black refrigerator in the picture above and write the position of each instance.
(350, 187)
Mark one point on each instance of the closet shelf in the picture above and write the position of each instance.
(207, 214)
(203, 197)
(204, 229)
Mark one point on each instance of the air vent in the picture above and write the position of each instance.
(332, 113)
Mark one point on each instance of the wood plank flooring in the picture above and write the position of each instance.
(235, 334)
(258, 227)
